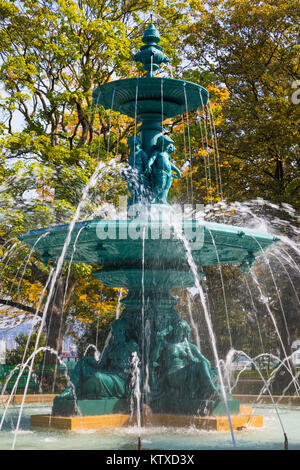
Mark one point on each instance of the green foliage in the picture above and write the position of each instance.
(252, 48)
(16, 356)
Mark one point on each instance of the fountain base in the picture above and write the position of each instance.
(244, 419)
(65, 407)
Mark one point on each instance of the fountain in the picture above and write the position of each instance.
(149, 254)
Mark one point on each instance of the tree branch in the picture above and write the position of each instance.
(20, 306)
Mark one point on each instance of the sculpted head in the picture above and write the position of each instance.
(165, 143)
(181, 330)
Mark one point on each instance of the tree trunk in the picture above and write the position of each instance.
(54, 322)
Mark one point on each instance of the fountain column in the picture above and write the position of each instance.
(150, 130)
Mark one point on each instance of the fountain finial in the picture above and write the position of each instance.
(151, 55)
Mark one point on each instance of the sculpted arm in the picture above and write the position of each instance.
(197, 354)
(151, 161)
(175, 170)
(160, 343)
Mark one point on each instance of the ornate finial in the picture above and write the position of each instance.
(151, 55)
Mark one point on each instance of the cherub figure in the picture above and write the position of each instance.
(138, 180)
(161, 169)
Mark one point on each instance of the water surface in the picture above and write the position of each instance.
(267, 438)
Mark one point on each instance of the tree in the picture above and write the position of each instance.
(18, 355)
(251, 48)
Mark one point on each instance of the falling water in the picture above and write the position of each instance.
(147, 362)
(291, 261)
(214, 136)
(92, 346)
(11, 252)
(207, 146)
(10, 249)
(119, 303)
(186, 159)
(22, 367)
(135, 387)
(199, 288)
(275, 284)
(288, 276)
(189, 142)
(135, 119)
(267, 388)
(25, 350)
(107, 341)
(266, 303)
(204, 156)
(276, 371)
(143, 304)
(223, 288)
(255, 312)
(4, 244)
(194, 326)
(213, 150)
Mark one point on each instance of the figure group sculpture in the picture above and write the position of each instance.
(149, 177)
(178, 370)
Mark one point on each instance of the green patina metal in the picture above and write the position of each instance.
(146, 255)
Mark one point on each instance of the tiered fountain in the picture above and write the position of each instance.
(149, 254)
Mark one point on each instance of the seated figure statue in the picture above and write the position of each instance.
(181, 368)
(109, 377)
(161, 169)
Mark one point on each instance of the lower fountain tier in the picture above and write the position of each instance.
(115, 244)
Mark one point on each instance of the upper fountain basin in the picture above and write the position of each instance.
(151, 98)
(119, 243)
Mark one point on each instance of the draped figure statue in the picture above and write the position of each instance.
(109, 377)
(180, 365)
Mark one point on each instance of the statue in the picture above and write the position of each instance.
(162, 169)
(111, 376)
(138, 181)
(180, 367)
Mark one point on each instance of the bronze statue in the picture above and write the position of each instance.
(161, 169)
(180, 366)
(109, 378)
(138, 181)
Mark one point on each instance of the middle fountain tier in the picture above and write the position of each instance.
(147, 255)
